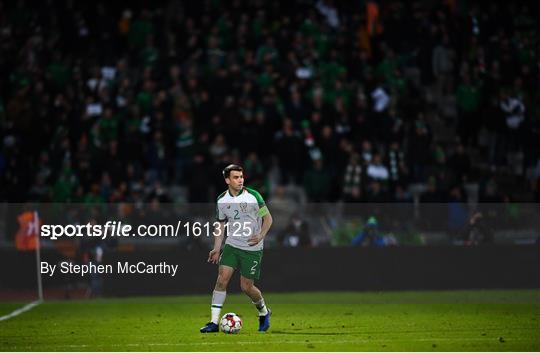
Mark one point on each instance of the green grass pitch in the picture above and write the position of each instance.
(340, 321)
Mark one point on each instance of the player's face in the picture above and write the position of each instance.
(235, 180)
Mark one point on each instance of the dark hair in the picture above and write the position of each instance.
(231, 167)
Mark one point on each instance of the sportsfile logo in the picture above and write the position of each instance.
(120, 229)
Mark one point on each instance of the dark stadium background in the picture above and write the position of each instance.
(422, 114)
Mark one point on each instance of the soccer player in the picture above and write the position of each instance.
(242, 212)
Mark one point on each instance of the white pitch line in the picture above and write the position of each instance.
(21, 310)
(358, 341)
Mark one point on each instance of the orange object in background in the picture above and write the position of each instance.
(373, 18)
(26, 238)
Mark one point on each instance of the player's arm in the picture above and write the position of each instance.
(266, 224)
(213, 256)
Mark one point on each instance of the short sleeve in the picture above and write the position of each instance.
(258, 197)
(263, 210)
(220, 215)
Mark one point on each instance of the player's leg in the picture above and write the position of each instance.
(220, 291)
(248, 287)
(218, 298)
(228, 261)
(250, 270)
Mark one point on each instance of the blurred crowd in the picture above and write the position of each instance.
(356, 101)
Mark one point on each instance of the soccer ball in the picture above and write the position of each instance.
(231, 323)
